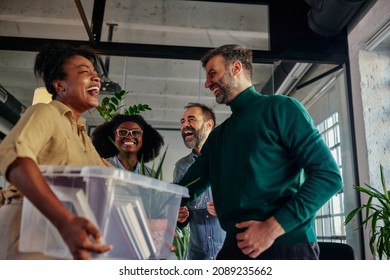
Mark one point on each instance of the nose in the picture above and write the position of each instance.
(184, 124)
(208, 83)
(129, 137)
(96, 77)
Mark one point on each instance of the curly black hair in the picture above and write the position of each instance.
(151, 143)
(50, 60)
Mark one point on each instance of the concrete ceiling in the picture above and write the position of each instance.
(166, 85)
(150, 48)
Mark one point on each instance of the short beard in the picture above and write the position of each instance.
(225, 89)
(199, 136)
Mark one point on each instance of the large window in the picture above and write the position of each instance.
(325, 97)
(330, 218)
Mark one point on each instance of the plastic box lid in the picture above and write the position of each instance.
(113, 173)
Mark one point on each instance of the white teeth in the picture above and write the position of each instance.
(93, 88)
(129, 143)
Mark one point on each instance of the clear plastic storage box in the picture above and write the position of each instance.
(135, 213)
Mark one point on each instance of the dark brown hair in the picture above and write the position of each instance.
(232, 53)
(207, 112)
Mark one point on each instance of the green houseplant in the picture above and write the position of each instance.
(110, 106)
(376, 216)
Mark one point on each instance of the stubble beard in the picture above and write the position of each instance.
(225, 89)
(199, 136)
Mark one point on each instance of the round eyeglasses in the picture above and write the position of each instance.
(135, 133)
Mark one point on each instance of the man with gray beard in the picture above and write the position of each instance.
(206, 234)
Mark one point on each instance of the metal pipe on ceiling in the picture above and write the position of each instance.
(85, 20)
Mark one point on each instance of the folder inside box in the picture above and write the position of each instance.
(135, 213)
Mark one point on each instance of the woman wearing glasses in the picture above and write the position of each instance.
(139, 143)
(137, 139)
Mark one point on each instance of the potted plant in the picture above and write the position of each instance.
(376, 216)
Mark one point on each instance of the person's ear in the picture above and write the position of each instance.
(59, 87)
(210, 124)
(236, 67)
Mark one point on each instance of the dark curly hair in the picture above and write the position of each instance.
(151, 143)
(50, 60)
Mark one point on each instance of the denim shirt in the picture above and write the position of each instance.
(206, 234)
(116, 162)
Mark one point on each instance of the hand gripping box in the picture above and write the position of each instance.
(135, 213)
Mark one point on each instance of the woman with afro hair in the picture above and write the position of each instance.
(137, 139)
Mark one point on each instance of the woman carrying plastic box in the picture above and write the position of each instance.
(52, 134)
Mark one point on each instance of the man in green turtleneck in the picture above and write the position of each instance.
(268, 167)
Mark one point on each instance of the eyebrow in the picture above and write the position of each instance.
(208, 72)
(188, 117)
(127, 128)
(85, 65)
(124, 128)
(82, 65)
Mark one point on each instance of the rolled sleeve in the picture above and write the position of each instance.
(9, 153)
(27, 137)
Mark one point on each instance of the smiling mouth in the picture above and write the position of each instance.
(129, 143)
(215, 89)
(94, 91)
(188, 134)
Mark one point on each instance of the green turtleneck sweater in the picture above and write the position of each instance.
(267, 159)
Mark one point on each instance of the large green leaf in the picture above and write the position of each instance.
(376, 217)
(110, 107)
